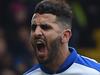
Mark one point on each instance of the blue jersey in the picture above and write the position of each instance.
(74, 64)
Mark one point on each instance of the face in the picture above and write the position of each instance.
(46, 37)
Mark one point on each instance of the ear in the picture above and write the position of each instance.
(66, 35)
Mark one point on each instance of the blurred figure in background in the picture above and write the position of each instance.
(22, 45)
(3, 44)
(9, 71)
(6, 61)
(95, 51)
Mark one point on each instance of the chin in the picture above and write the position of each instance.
(42, 60)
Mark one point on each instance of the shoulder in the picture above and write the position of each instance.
(88, 62)
(32, 70)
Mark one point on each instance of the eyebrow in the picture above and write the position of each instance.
(40, 24)
(47, 26)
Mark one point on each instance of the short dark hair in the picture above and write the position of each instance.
(60, 8)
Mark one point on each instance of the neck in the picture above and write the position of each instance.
(60, 58)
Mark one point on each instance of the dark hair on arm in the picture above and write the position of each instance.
(60, 8)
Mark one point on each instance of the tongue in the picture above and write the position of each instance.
(42, 52)
(41, 47)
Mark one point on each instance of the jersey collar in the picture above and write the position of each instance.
(67, 63)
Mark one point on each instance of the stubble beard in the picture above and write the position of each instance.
(53, 51)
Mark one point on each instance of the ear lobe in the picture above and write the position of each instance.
(66, 35)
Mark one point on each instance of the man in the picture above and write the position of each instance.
(50, 34)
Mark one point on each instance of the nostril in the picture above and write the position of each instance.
(39, 33)
(38, 36)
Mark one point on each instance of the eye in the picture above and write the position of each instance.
(45, 26)
(33, 27)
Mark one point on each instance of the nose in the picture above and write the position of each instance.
(38, 31)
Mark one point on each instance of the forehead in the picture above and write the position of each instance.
(43, 18)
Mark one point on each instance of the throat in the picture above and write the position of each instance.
(54, 66)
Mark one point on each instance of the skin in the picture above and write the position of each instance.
(55, 38)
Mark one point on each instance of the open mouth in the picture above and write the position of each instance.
(40, 44)
(41, 47)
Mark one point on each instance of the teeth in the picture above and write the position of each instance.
(40, 44)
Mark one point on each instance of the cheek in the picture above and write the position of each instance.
(50, 36)
(32, 34)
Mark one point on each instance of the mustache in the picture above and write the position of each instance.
(39, 39)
